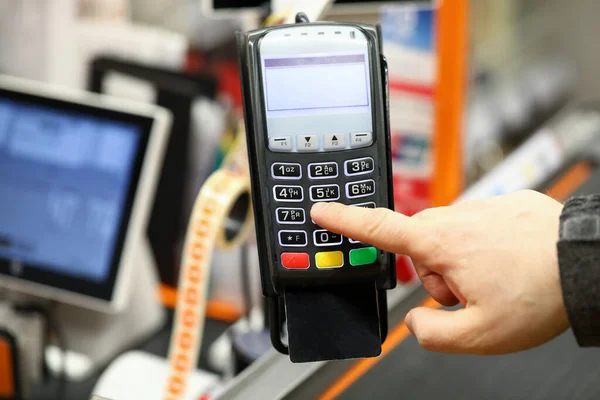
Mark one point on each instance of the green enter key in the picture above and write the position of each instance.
(364, 256)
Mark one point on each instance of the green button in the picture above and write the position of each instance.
(364, 256)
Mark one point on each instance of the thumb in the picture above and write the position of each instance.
(445, 331)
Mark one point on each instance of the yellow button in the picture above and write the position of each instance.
(330, 259)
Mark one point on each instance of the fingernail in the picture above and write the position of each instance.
(408, 321)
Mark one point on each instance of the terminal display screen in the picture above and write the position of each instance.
(316, 83)
(318, 93)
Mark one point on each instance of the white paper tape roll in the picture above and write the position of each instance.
(221, 218)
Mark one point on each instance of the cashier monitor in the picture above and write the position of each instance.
(76, 179)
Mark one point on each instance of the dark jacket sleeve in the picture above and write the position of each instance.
(579, 261)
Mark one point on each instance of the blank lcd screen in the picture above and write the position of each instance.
(316, 82)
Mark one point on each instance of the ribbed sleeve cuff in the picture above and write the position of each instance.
(579, 262)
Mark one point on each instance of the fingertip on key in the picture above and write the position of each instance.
(318, 207)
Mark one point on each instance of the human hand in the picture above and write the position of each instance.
(497, 257)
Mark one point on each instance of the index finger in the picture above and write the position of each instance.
(383, 228)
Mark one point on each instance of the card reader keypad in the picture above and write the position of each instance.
(303, 244)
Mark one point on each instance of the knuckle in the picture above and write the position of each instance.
(434, 246)
(338, 214)
(427, 340)
(334, 217)
(425, 215)
(375, 224)
(472, 334)
(470, 341)
(457, 340)
(529, 194)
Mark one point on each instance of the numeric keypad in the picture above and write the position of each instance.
(295, 229)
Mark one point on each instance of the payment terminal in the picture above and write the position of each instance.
(316, 114)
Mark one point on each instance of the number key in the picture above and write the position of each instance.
(364, 188)
(323, 237)
(286, 171)
(288, 193)
(359, 166)
(324, 170)
(290, 215)
(325, 193)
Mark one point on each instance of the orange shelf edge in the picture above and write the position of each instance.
(450, 96)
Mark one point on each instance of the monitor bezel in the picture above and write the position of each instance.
(207, 8)
(332, 10)
(110, 295)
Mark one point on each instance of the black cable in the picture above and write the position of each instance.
(62, 346)
(302, 18)
(246, 294)
(275, 325)
(265, 312)
(245, 278)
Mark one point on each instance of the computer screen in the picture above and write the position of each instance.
(64, 180)
(68, 177)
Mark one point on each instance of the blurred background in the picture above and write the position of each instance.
(507, 100)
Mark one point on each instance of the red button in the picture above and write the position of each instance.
(295, 260)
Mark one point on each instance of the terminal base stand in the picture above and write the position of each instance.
(93, 339)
